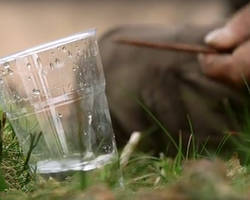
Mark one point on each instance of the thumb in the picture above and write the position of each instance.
(233, 33)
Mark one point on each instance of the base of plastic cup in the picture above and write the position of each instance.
(64, 165)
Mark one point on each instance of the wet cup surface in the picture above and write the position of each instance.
(54, 97)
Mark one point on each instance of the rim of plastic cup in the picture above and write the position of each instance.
(48, 45)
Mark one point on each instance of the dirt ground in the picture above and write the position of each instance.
(27, 23)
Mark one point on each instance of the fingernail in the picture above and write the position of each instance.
(217, 36)
(213, 36)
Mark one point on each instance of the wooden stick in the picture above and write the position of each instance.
(190, 48)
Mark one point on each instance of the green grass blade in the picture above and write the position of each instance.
(194, 151)
(3, 185)
(222, 143)
(161, 126)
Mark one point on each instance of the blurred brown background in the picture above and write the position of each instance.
(28, 23)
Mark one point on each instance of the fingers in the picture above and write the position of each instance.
(218, 67)
(233, 33)
(228, 68)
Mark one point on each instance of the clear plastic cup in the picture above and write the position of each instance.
(54, 97)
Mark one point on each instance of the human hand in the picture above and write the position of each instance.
(233, 67)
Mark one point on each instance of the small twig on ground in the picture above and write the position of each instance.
(129, 148)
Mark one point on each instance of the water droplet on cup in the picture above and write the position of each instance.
(69, 54)
(6, 65)
(75, 67)
(57, 61)
(90, 119)
(44, 73)
(17, 97)
(10, 72)
(78, 55)
(81, 84)
(59, 115)
(107, 148)
(35, 92)
(4, 72)
(28, 65)
(39, 62)
(64, 49)
(51, 65)
(29, 78)
(1, 81)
